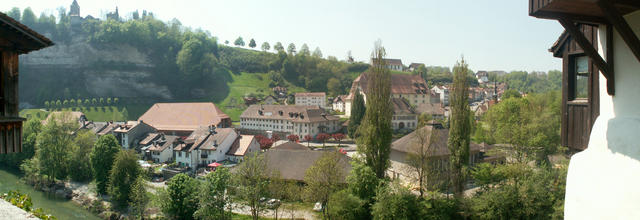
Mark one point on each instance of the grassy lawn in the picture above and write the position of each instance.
(246, 217)
(37, 113)
(108, 113)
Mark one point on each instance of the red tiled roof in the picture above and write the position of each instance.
(183, 116)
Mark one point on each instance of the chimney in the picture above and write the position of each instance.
(212, 129)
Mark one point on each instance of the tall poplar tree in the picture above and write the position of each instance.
(460, 127)
(375, 131)
(357, 113)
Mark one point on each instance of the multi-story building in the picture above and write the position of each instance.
(158, 147)
(404, 116)
(413, 88)
(130, 133)
(443, 93)
(338, 103)
(289, 119)
(311, 99)
(204, 146)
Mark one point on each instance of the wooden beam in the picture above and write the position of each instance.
(611, 86)
(621, 25)
(574, 17)
(632, 3)
(586, 46)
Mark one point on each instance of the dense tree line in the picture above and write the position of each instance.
(62, 152)
(196, 55)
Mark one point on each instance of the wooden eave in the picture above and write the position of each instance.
(608, 12)
(20, 38)
(556, 49)
(586, 11)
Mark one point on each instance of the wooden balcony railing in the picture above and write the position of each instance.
(10, 134)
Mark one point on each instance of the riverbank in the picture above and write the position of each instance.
(49, 202)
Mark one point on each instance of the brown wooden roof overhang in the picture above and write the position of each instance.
(608, 12)
(21, 38)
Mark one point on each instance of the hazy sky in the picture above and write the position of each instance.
(491, 34)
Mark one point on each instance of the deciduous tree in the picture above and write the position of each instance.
(102, 157)
(213, 198)
(317, 53)
(278, 47)
(323, 137)
(53, 146)
(138, 198)
(460, 127)
(181, 198)
(80, 164)
(123, 176)
(252, 43)
(239, 42)
(358, 110)
(323, 178)
(252, 181)
(374, 141)
(265, 46)
(293, 137)
(291, 49)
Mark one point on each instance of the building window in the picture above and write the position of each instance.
(579, 76)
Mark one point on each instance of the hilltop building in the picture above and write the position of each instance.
(16, 39)
(414, 66)
(392, 64)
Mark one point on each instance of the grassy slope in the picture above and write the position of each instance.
(241, 84)
(244, 84)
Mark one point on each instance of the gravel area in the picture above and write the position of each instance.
(9, 211)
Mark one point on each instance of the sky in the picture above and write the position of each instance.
(490, 34)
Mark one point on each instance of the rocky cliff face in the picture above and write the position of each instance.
(82, 70)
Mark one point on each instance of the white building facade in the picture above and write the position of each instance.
(311, 99)
(298, 120)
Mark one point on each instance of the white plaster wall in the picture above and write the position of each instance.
(604, 180)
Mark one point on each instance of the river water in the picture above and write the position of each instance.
(60, 208)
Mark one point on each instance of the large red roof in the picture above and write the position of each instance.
(183, 116)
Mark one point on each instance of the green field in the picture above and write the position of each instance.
(107, 113)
